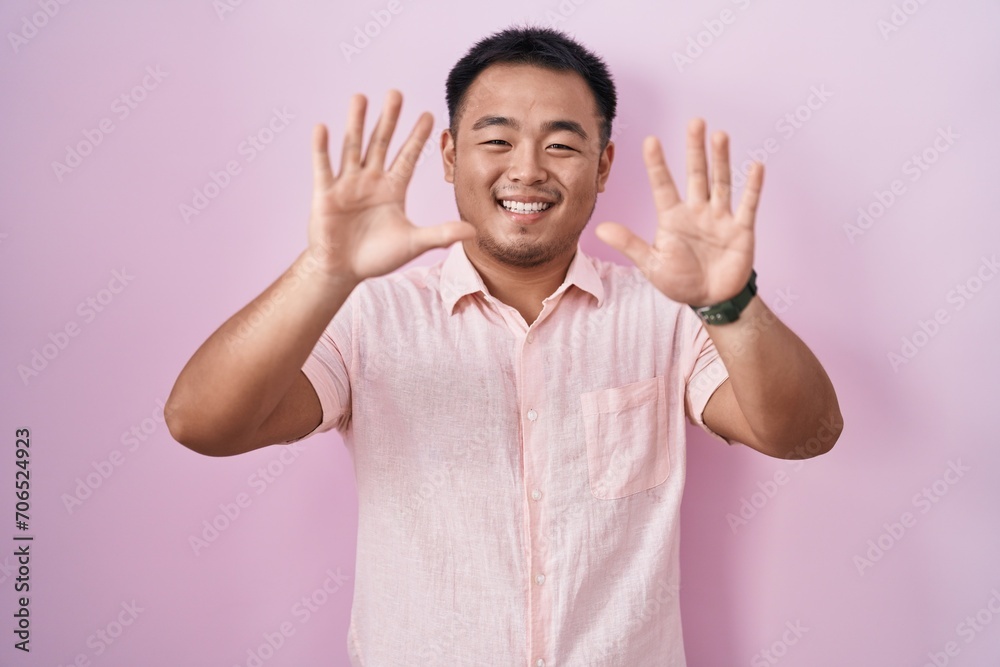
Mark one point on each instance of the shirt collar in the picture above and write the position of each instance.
(459, 277)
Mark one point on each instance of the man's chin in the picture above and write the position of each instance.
(524, 253)
(520, 254)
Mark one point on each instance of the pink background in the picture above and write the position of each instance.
(853, 299)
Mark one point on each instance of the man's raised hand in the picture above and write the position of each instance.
(358, 227)
(701, 253)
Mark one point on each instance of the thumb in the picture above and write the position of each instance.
(441, 236)
(624, 240)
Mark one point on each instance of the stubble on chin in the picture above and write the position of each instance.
(521, 252)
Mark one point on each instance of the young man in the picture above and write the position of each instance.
(515, 413)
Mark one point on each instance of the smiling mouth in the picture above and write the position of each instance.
(523, 208)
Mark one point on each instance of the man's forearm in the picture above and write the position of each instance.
(780, 386)
(237, 377)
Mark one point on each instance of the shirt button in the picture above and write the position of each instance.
(540, 579)
(539, 663)
(536, 494)
(531, 339)
(532, 415)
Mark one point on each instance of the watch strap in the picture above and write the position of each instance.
(729, 310)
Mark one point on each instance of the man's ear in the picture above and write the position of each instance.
(604, 165)
(448, 155)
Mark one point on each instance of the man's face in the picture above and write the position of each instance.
(527, 162)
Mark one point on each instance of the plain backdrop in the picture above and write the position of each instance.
(877, 236)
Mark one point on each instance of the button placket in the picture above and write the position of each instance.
(535, 457)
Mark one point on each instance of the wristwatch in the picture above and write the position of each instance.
(729, 311)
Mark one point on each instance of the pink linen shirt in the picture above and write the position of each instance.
(519, 486)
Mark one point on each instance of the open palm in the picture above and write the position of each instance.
(358, 226)
(701, 253)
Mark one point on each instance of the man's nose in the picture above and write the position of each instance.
(526, 165)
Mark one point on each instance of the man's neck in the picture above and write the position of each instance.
(523, 289)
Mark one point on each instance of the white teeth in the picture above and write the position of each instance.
(522, 207)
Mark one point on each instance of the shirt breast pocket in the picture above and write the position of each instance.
(626, 431)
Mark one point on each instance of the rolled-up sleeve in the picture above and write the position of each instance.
(707, 373)
(327, 368)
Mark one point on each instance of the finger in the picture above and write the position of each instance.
(697, 165)
(440, 236)
(322, 172)
(382, 135)
(746, 214)
(721, 176)
(662, 183)
(625, 241)
(350, 159)
(402, 167)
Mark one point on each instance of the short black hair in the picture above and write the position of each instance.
(541, 47)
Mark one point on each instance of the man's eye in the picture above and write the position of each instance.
(562, 147)
(496, 142)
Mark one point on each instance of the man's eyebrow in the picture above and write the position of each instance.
(496, 121)
(566, 125)
(550, 126)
